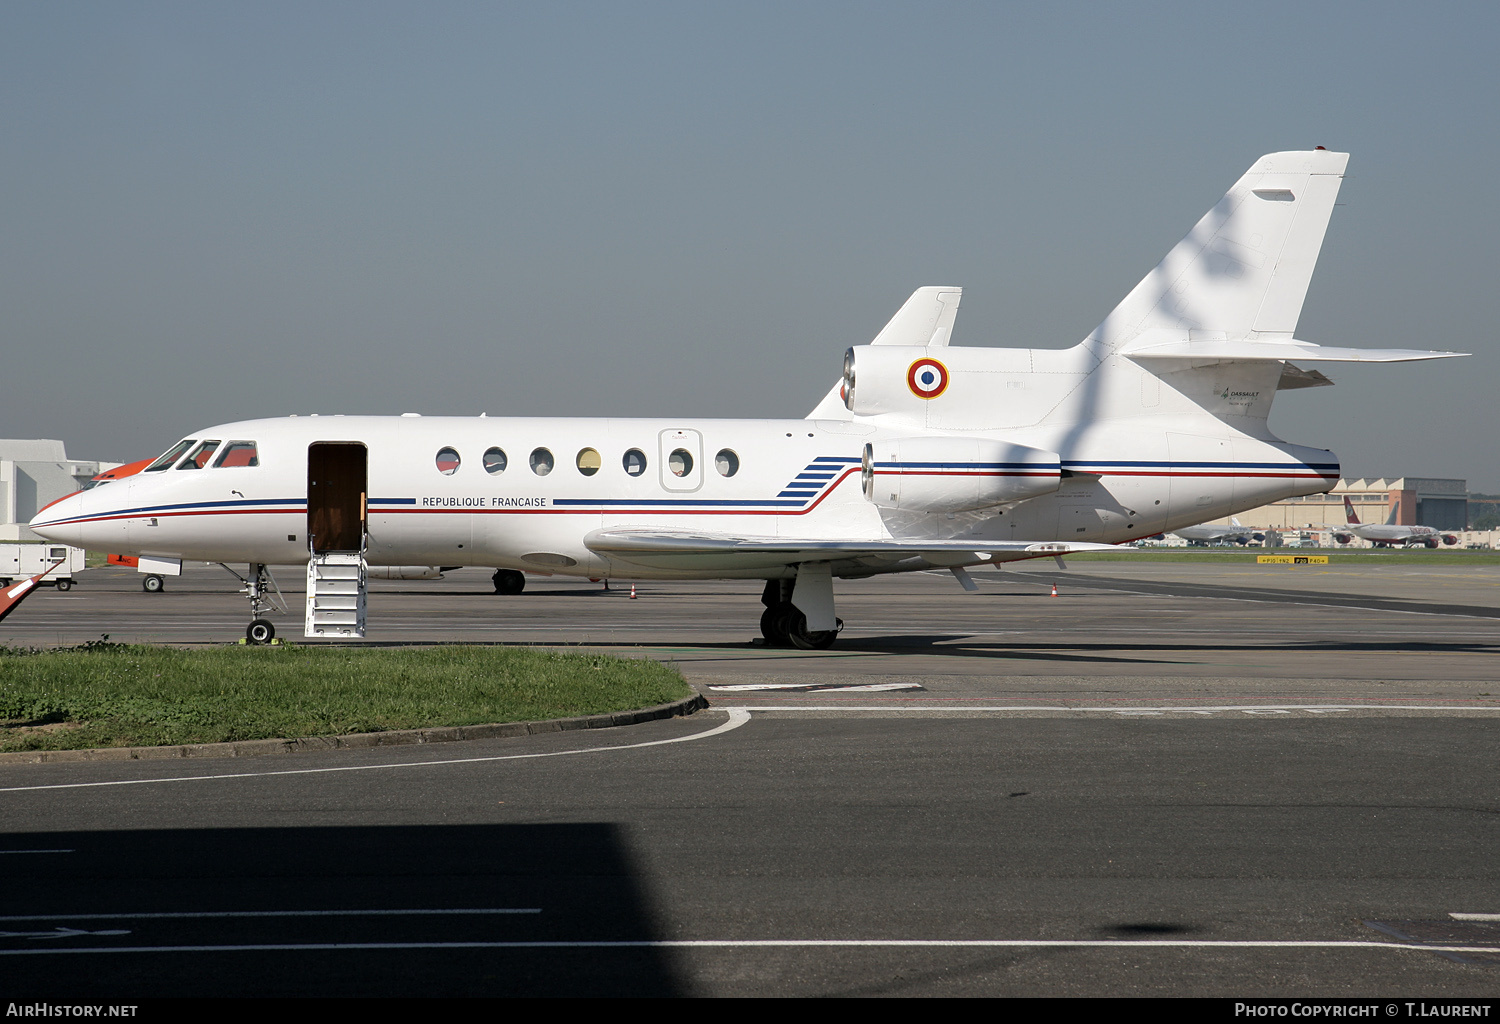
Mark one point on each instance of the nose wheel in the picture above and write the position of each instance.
(260, 632)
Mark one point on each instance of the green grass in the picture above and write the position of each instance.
(1336, 556)
(113, 695)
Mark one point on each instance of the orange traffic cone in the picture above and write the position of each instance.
(1054, 590)
(632, 591)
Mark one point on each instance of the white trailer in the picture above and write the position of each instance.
(18, 561)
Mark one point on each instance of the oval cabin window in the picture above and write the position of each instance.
(727, 463)
(447, 461)
(634, 462)
(494, 461)
(680, 462)
(589, 462)
(541, 462)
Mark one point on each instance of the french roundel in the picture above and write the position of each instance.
(927, 378)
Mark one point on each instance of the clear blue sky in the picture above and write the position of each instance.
(216, 211)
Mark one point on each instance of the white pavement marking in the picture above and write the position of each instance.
(1475, 917)
(814, 687)
(737, 718)
(780, 944)
(3, 852)
(267, 913)
(1252, 709)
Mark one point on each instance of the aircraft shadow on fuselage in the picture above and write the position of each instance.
(580, 876)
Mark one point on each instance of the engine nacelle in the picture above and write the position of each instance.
(955, 474)
(1449, 539)
(892, 378)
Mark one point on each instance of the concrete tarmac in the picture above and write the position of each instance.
(1201, 780)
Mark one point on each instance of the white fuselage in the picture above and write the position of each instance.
(794, 479)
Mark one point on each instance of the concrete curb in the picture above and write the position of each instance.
(447, 734)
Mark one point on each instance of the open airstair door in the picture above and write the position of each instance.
(337, 474)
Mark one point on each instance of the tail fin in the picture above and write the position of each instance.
(1235, 521)
(1349, 515)
(926, 319)
(1243, 271)
(1390, 520)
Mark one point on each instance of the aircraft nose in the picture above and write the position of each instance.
(63, 520)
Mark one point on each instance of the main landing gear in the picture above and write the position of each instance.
(508, 581)
(259, 585)
(783, 623)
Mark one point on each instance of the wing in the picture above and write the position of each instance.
(664, 549)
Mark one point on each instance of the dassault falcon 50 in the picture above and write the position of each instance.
(924, 455)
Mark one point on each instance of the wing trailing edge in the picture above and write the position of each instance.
(678, 550)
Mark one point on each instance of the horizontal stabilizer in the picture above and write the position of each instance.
(1256, 350)
(673, 550)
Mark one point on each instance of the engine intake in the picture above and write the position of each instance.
(955, 474)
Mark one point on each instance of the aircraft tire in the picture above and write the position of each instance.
(805, 639)
(508, 581)
(153, 584)
(773, 625)
(261, 631)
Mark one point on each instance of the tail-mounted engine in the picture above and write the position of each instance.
(955, 474)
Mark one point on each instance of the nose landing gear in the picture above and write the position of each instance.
(259, 587)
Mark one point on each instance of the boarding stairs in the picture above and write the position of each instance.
(336, 584)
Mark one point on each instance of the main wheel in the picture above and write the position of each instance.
(153, 584)
(508, 581)
(68, 584)
(260, 632)
(773, 625)
(808, 639)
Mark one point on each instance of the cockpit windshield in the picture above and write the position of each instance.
(200, 456)
(172, 455)
(238, 453)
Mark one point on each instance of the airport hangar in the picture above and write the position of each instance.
(1442, 504)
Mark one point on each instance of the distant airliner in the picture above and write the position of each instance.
(923, 456)
(1389, 534)
(1234, 533)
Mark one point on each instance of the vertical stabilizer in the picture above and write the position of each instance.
(1349, 516)
(1243, 271)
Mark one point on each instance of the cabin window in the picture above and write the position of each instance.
(494, 461)
(589, 462)
(172, 455)
(447, 461)
(238, 454)
(680, 462)
(727, 462)
(634, 462)
(200, 456)
(541, 462)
